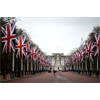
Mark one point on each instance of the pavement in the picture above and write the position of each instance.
(59, 77)
(8, 78)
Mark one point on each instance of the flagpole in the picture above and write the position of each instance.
(31, 67)
(90, 63)
(13, 66)
(97, 67)
(90, 68)
(21, 67)
(35, 67)
(27, 66)
(86, 65)
(98, 57)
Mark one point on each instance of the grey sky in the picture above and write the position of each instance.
(64, 32)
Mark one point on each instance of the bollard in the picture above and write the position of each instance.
(97, 73)
(13, 75)
(82, 72)
(90, 72)
(21, 73)
(27, 73)
(31, 73)
(86, 72)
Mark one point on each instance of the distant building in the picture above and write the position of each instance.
(57, 60)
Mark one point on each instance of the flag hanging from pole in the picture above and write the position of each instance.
(97, 45)
(33, 52)
(90, 51)
(21, 46)
(28, 49)
(8, 38)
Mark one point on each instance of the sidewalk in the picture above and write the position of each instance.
(84, 74)
(8, 78)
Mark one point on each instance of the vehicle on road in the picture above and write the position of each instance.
(49, 71)
(65, 70)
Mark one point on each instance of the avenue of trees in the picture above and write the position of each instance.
(91, 38)
(6, 59)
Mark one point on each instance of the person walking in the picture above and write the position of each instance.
(54, 72)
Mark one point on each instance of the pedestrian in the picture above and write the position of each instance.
(54, 72)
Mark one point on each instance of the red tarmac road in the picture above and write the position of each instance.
(59, 77)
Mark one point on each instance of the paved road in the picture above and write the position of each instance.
(59, 77)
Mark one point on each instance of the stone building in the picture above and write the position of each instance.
(57, 60)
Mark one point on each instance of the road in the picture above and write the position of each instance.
(59, 77)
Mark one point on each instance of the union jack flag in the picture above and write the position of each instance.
(38, 56)
(97, 45)
(35, 56)
(85, 50)
(8, 38)
(28, 49)
(81, 55)
(46, 62)
(90, 51)
(41, 59)
(21, 46)
(73, 59)
(77, 58)
(33, 52)
(68, 62)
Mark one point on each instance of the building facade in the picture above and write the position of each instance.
(57, 60)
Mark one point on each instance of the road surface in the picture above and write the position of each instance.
(59, 77)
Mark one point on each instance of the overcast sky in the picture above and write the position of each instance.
(64, 32)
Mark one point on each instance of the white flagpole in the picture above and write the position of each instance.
(27, 66)
(31, 67)
(82, 67)
(37, 67)
(86, 65)
(90, 68)
(97, 67)
(77, 66)
(22, 67)
(13, 65)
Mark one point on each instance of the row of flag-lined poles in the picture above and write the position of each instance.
(22, 48)
(90, 50)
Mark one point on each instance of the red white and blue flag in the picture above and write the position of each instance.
(97, 45)
(33, 53)
(90, 51)
(40, 60)
(35, 56)
(68, 62)
(8, 38)
(82, 55)
(85, 50)
(21, 46)
(77, 58)
(46, 62)
(49, 63)
(38, 56)
(28, 49)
